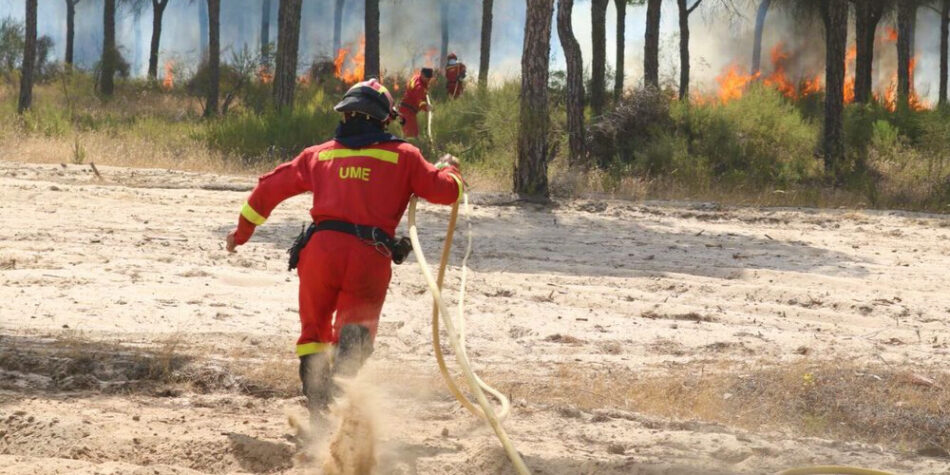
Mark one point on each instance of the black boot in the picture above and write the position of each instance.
(316, 376)
(354, 348)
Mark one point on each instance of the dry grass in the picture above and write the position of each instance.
(904, 408)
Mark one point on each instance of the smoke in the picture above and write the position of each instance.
(410, 28)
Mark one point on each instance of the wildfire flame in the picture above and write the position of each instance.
(350, 72)
(888, 97)
(850, 57)
(890, 34)
(733, 82)
(168, 82)
(430, 58)
(265, 75)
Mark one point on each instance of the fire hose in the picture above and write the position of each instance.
(456, 338)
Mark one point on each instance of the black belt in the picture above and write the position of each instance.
(368, 233)
(398, 250)
(407, 106)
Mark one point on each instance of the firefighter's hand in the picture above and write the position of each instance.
(232, 241)
(449, 159)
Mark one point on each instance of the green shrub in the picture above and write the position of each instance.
(275, 136)
(760, 139)
(480, 127)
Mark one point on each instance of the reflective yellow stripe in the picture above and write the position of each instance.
(378, 154)
(459, 181)
(312, 348)
(251, 215)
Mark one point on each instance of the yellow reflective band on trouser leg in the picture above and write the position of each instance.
(251, 215)
(459, 181)
(313, 348)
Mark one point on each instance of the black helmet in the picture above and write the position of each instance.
(370, 98)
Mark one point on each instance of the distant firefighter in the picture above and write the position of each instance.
(415, 101)
(454, 76)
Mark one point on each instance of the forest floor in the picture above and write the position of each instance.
(632, 337)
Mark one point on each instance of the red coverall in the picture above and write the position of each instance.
(339, 272)
(413, 102)
(454, 74)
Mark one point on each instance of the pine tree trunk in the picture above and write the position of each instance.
(835, 16)
(110, 54)
(651, 48)
(29, 59)
(158, 9)
(684, 48)
(337, 25)
(575, 84)
(530, 174)
(944, 39)
(70, 29)
(906, 13)
(485, 56)
(265, 30)
(214, 57)
(759, 29)
(598, 65)
(444, 27)
(372, 39)
(288, 37)
(868, 14)
(621, 6)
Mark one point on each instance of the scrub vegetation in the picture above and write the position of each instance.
(758, 149)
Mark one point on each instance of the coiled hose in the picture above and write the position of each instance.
(475, 384)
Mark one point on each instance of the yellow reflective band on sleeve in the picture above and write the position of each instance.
(378, 154)
(459, 181)
(313, 348)
(251, 215)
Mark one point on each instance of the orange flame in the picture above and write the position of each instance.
(169, 80)
(849, 59)
(732, 83)
(778, 79)
(264, 75)
(890, 34)
(888, 97)
(430, 57)
(352, 71)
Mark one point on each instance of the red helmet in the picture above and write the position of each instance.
(451, 56)
(368, 97)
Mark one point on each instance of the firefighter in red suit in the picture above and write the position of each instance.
(454, 76)
(361, 182)
(415, 101)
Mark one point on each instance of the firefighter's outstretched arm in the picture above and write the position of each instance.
(441, 183)
(287, 180)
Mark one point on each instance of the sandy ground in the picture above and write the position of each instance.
(107, 267)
